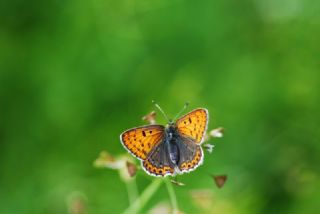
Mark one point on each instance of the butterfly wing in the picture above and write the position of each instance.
(141, 141)
(191, 154)
(158, 163)
(194, 124)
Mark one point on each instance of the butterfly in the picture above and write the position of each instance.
(171, 149)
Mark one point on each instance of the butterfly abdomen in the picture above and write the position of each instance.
(173, 153)
(171, 143)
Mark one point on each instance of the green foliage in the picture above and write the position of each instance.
(75, 74)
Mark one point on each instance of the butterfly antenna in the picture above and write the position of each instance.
(160, 109)
(184, 108)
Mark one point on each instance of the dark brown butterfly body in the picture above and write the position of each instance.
(172, 144)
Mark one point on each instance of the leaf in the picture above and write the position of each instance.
(220, 180)
(132, 168)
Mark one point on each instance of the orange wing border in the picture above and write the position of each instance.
(155, 171)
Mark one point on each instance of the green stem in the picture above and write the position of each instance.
(132, 190)
(172, 196)
(139, 203)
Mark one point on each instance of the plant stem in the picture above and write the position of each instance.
(172, 196)
(132, 190)
(139, 203)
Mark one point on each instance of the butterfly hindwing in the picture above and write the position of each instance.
(194, 124)
(158, 162)
(191, 155)
(141, 141)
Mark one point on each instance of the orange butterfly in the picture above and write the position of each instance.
(171, 149)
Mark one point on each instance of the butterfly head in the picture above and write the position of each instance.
(170, 130)
(170, 125)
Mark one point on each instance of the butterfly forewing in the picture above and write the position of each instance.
(140, 141)
(194, 124)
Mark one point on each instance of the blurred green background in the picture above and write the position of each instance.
(75, 74)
